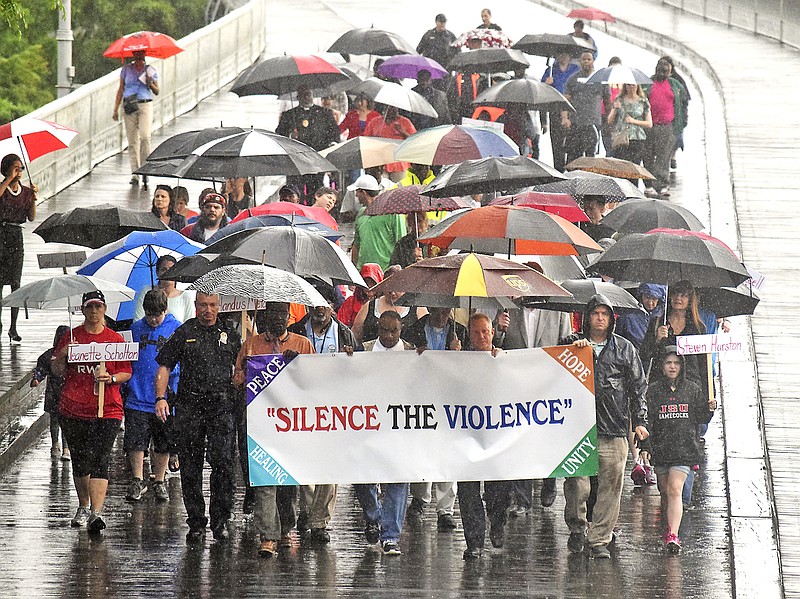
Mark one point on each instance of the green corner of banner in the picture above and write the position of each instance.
(581, 460)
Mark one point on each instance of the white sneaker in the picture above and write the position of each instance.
(665, 192)
(650, 192)
(81, 517)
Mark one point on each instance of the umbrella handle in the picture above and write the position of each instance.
(22, 153)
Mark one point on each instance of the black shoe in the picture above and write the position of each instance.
(195, 536)
(547, 496)
(14, 336)
(497, 535)
(221, 533)
(472, 553)
(446, 523)
(318, 536)
(249, 501)
(600, 552)
(95, 523)
(303, 525)
(576, 542)
(415, 509)
(144, 181)
(372, 531)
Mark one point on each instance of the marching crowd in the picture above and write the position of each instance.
(182, 401)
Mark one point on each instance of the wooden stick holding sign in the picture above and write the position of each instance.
(101, 388)
(100, 353)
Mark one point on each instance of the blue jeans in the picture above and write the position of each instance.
(390, 513)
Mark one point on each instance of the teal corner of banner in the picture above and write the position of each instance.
(581, 460)
(264, 470)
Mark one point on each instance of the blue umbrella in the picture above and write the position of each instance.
(276, 220)
(132, 262)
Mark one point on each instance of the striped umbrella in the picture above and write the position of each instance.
(453, 144)
(361, 152)
(283, 74)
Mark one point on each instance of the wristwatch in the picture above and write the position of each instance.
(160, 399)
(114, 379)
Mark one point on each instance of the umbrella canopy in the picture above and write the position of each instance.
(641, 216)
(283, 74)
(591, 14)
(376, 42)
(361, 152)
(253, 153)
(276, 220)
(613, 167)
(259, 282)
(552, 44)
(619, 74)
(453, 144)
(65, 291)
(318, 214)
(667, 258)
(489, 38)
(404, 200)
(491, 174)
(698, 234)
(132, 261)
(579, 184)
(524, 92)
(557, 268)
(33, 138)
(96, 226)
(562, 204)
(511, 229)
(291, 249)
(408, 66)
(154, 45)
(726, 301)
(470, 274)
(583, 289)
(442, 300)
(182, 144)
(488, 60)
(190, 268)
(393, 94)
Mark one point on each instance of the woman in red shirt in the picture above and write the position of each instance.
(355, 121)
(90, 436)
(393, 126)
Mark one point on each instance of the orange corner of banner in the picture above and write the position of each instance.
(577, 361)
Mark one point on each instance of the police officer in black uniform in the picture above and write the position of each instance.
(206, 348)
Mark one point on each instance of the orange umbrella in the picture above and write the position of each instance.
(511, 230)
(152, 43)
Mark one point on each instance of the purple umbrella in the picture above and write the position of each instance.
(408, 66)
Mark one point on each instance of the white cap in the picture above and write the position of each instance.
(366, 182)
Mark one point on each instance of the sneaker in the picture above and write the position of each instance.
(160, 491)
(664, 193)
(649, 476)
(81, 517)
(672, 542)
(638, 475)
(600, 552)
(497, 535)
(446, 523)
(95, 523)
(65, 455)
(134, 180)
(547, 496)
(390, 548)
(372, 531)
(650, 192)
(268, 549)
(195, 536)
(136, 489)
(576, 542)
(415, 509)
(472, 553)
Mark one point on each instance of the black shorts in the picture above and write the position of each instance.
(140, 427)
(90, 443)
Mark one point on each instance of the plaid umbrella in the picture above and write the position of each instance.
(404, 200)
(490, 38)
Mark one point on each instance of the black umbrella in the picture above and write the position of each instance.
(291, 249)
(490, 174)
(552, 44)
(583, 289)
(525, 92)
(96, 226)
(252, 153)
(376, 42)
(583, 183)
(488, 60)
(727, 301)
(182, 144)
(668, 258)
(283, 74)
(641, 216)
(190, 268)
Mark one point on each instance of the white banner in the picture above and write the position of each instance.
(232, 303)
(103, 352)
(404, 417)
(707, 344)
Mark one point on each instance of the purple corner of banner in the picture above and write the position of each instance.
(261, 371)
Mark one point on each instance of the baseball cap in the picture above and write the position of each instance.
(366, 182)
(215, 198)
(441, 18)
(93, 297)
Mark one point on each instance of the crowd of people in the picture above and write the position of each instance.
(182, 401)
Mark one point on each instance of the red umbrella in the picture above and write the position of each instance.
(562, 204)
(154, 45)
(318, 214)
(685, 233)
(34, 136)
(404, 200)
(591, 14)
(283, 74)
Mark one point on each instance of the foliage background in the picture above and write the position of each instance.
(28, 47)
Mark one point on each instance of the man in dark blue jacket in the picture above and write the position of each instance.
(620, 387)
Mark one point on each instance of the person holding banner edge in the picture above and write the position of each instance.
(620, 385)
(90, 432)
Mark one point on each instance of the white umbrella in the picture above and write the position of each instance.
(619, 74)
(255, 281)
(394, 94)
(66, 291)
